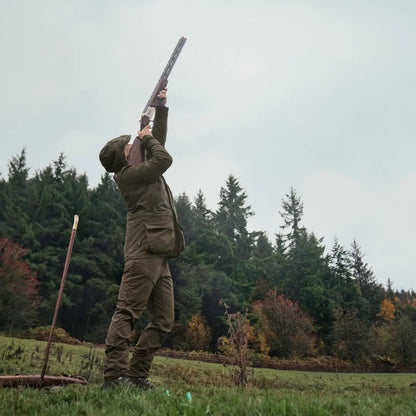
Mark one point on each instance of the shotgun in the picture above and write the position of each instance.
(136, 154)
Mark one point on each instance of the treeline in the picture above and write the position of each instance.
(302, 299)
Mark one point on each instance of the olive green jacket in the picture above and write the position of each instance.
(152, 226)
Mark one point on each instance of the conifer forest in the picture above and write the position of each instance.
(301, 298)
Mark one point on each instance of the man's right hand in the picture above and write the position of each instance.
(145, 132)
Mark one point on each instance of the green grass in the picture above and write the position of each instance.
(271, 392)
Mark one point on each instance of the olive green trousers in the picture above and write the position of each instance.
(146, 284)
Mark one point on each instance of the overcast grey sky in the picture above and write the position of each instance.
(318, 95)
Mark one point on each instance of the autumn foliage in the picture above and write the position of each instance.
(197, 334)
(235, 347)
(19, 287)
(387, 310)
(289, 331)
(301, 297)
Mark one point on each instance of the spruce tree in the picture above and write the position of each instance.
(231, 221)
(232, 216)
(344, 288)
(306, 265)
(292, 212)
(185, 216)
(361, 272)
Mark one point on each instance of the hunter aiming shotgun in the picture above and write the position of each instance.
(137, 154)
(153, 236)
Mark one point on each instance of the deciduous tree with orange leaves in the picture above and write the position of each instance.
(387, 310)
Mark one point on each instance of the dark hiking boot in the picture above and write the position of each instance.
(142, 383)
(120, 381)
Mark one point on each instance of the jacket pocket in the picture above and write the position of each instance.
(160, 239)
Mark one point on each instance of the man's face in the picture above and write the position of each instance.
(127, 149)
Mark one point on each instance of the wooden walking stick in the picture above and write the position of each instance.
(42, 380)
(58, 301)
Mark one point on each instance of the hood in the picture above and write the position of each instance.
(112, 154)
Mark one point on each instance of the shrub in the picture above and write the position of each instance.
(350, 334)
(404, 330)
(287, 329)
(236, 346)
(59, 335)
(197, 334)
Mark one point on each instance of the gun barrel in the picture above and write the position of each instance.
(173, 57)
(167, 70)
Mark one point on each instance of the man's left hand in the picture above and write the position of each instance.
(145, 131)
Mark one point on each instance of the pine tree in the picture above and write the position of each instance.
(231, 222)
(339, 264)
(261, 267)
(263, 247)
(185, 216)
(232, 216)
(306, 266)
(292, 216)
(203, 215)
(364, 276)
(18, 170)
(99, 259)
(344, 288)
(212, 246)
(389, 290)
(16, 203)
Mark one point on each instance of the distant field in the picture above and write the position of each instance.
(272, 392)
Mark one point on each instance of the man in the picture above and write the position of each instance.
(152, 236)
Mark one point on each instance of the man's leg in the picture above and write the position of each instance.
(161, 308)
(135, 290)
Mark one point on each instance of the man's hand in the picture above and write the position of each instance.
(160, 100)
(145, 131)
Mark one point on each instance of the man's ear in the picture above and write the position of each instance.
(126, 151)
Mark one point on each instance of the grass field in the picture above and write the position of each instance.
(271, 392)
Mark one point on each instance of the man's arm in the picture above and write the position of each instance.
(160, 124)
(153, 167)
